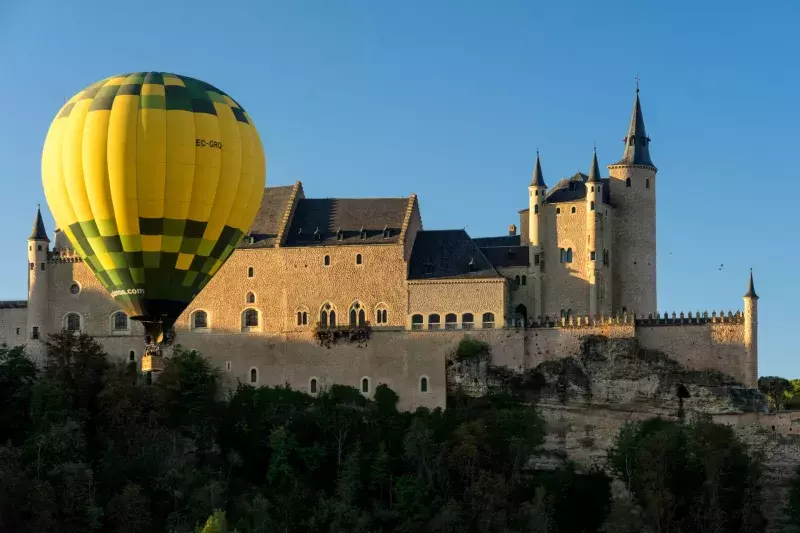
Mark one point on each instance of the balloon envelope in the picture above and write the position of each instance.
(155, 178)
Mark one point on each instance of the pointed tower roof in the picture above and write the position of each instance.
(38, 233)
(751, 290)
(538, 177)
(637, 143)
(594, 170)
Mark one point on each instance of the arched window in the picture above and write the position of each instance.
(628, 182)
(327, 260)
(416, 322)
(120, 321)
(132, 356)
(253, 375)
(572, 210)
(434, 321)
(524, 279)
(488, 321)
(199, 320)
(250, 272)
(450, 321)
(251, 298)
(592, 189)
(72, 322)
(74, 288)
(381, 316)
(365, 385)
(357, 315)
(250, 318)
(569, 255)
(358, 259)
(535, 209)
(302, 318)
(327, 316)
(536, 192)
(467, 321)
(423, 384)
(516, 280)
(591, 206)
(558, 210)
(312, 386)
(647, 183)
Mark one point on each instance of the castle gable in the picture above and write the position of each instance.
(267, 224)
(448, 254)
(504, 251)
(337, 221)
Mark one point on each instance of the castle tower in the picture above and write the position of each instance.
(751, 333)
(536, 194)
(633, 253)
(593, 232)
(38, 247)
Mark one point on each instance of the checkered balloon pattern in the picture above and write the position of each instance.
(155, 178)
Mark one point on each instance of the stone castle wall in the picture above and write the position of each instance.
(13, 325)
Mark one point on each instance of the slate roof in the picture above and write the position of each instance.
(13, 304)
(562, 192)
(329, 216)
(637, 152)
(505, 240)
(38, 232)
(507, 256)
(268, 220)
(447, 254)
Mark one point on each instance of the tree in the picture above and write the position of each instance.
(775, 388)
(686, 477)
(17, 376)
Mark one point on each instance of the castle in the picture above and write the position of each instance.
(401, 297)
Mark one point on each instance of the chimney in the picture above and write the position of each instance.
(512, 230)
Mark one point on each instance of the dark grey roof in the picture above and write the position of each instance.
(751, 290)
(38, 232)
(538, 176)
(594, 170)
(13, 304)
(574, 189)
(330, 217)
(507, 256)
(637, 143)
(505, 240)
(267, 224)
(447, 254)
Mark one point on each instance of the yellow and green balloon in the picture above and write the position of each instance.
(155, 178)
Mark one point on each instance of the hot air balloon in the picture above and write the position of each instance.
(155, 178)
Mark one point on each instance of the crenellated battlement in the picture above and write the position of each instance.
(64, 255)
(667, 319)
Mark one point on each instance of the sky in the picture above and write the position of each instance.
(450, 100)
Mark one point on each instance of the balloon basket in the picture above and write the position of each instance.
(152, 361)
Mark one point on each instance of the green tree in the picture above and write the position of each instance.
(689, 476)
(775, 388)
(17, 376)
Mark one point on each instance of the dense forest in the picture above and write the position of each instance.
(90, 445)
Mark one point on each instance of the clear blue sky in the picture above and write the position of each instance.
(450, 99)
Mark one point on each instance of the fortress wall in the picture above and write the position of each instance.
(476, 296)
(710, 346)
(296, 279)
(565, 284)
(10, 320)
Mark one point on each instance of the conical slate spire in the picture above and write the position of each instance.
(538, 177)
(751, 290)
(594, 171)
(38, 233)
(637, 143)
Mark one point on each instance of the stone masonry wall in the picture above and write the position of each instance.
(459, 296)
(565, 285)
(11, 320)
(702, 347)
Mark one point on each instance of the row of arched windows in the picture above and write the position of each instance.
(451, 321)
(520, 280)
(314, 386)
(326, 260)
